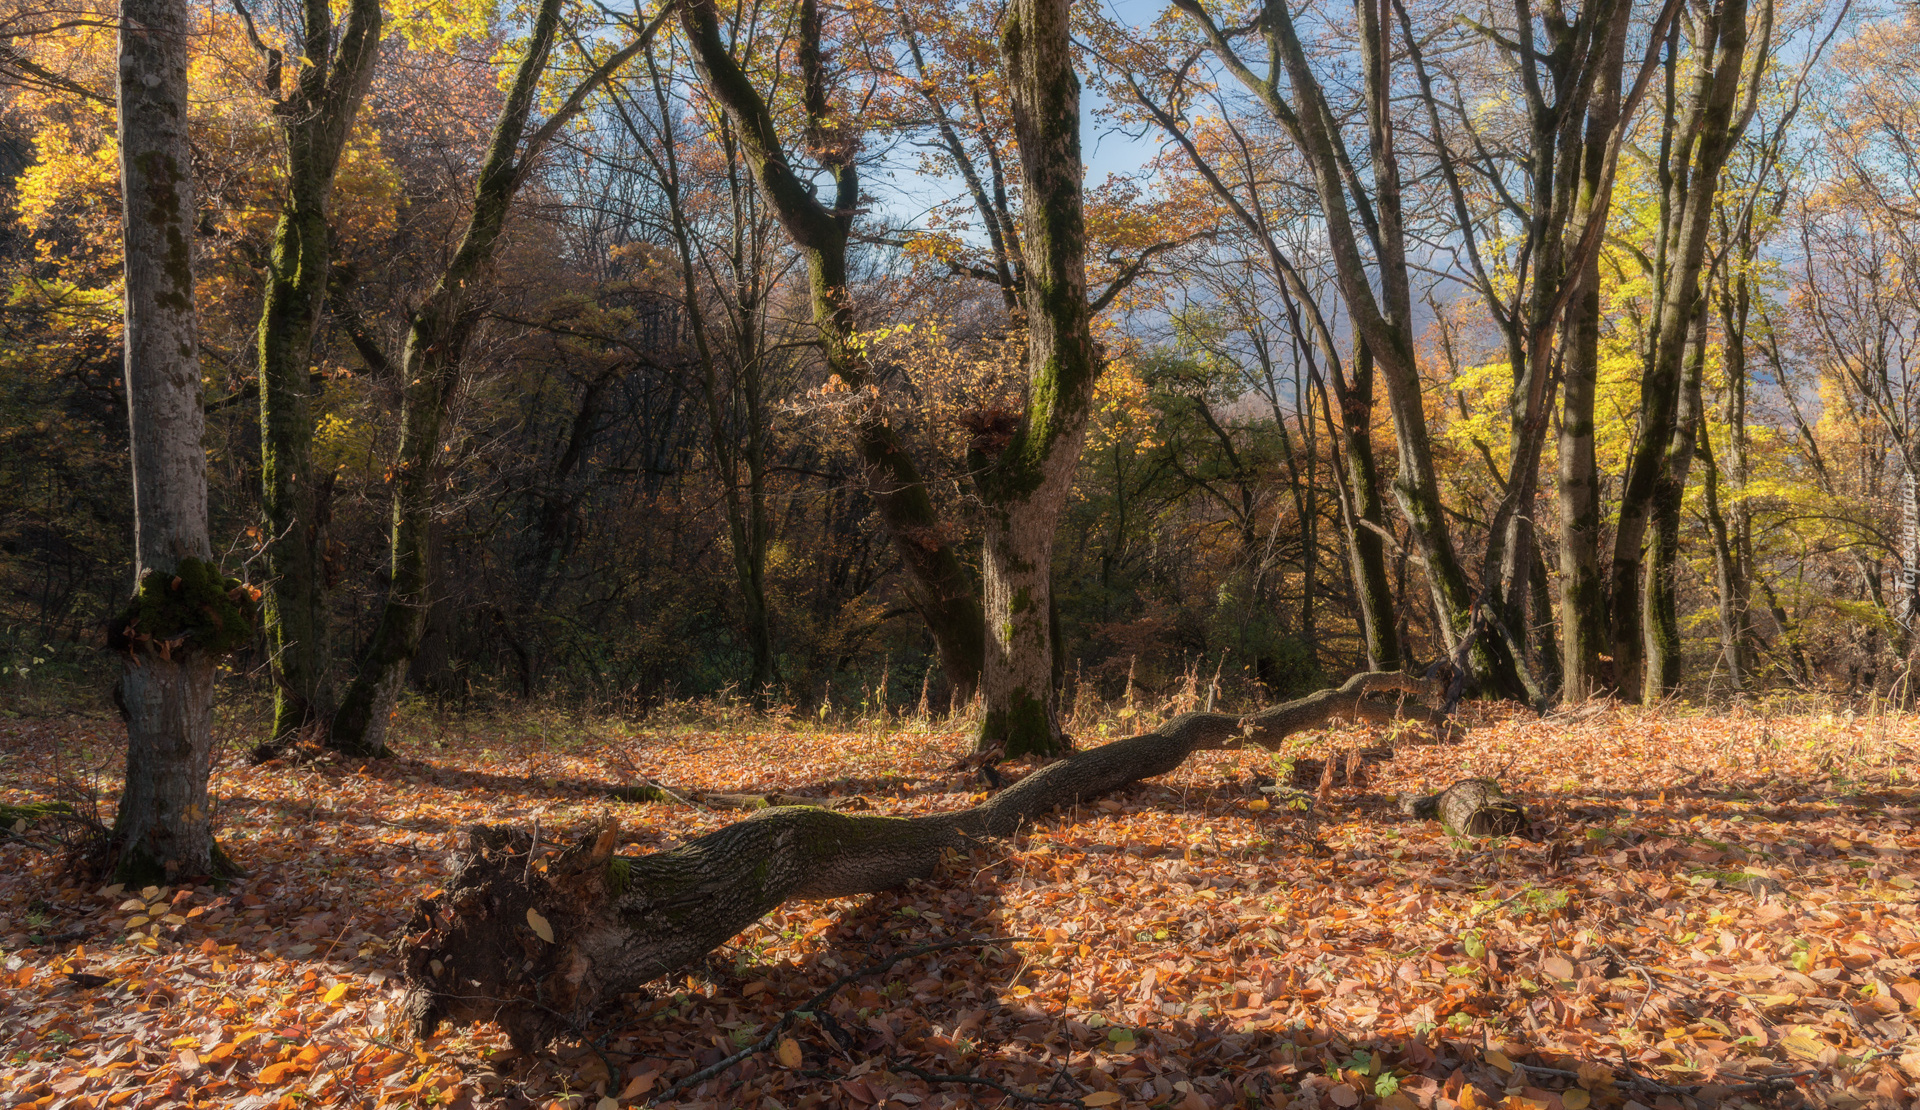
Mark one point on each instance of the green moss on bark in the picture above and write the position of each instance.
(194, 607)
(1022, 729)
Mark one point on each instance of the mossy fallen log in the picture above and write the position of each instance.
(1470, 807)
(539, 949)
(653, 793)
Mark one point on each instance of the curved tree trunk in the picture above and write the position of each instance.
(937, 583)
(540, 950)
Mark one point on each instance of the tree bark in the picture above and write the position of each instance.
(315, 122)
(1025, 483)
(164, 824)
(479, 953)
(1583, 610)
(1665, 656)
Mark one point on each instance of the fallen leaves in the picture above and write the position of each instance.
(1195, 945)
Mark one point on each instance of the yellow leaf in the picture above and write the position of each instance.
(1802, 1045)
(1575, 1099)
(1470, 1098)
(1101, 1098)
(540, 927)
(1258, 805)
(788, 1052)
(335, 993)
(1499, 1060)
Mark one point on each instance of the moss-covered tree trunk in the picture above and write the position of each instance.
(539, 950)
(437, 333)
(315, 122)
(1025, 479)
(937, 583)
(164, 824)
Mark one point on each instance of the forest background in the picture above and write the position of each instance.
(649, 483)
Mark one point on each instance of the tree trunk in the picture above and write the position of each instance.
(1026, 481)
(315, 123)
(1382, 322)
(437, 333)
(1729, 583)
(612, 925)
(1018, 689)
(1583, 611)
(936, 581)
(1692, 154)
(1366, 541)
(1665, 657)
(163, 828)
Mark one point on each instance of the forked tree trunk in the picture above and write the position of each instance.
(539, 950)
(164, 824)
(1698, 137)
(315, 122)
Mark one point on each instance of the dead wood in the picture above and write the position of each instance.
(653, 793)
(540, 948)
(1470, 807)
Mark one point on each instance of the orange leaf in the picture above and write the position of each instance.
(272, 1074)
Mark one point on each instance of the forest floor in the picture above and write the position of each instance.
(1714, 910)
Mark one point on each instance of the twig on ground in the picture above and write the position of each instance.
(1644, 974)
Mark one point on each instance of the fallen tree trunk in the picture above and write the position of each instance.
(540, 949)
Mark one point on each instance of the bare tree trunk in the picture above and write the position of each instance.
(1583, 610)
(1381, 321)
(1729, 583)
(1026, 481)
(163, 828)
(315, 122)
(614, 924)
